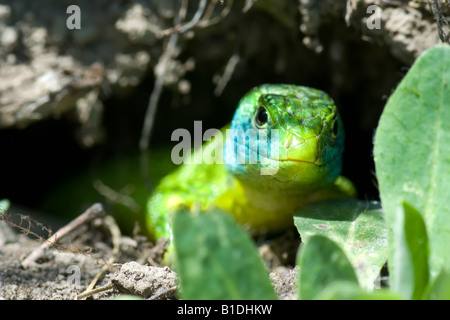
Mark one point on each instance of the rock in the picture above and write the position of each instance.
(145, 281)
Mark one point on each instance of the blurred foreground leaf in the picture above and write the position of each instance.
(345, 290)
(322, 262)
(412, 155)
(410, 256)
(357, 226)
(440, 288)
(4, 205)
(217, 260)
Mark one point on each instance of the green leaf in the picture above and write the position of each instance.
(343, 290)
(410, 276)
(440, 289)
(357, 226)
(4, 205)
(216, 259)
(412, 152)
(322, 262)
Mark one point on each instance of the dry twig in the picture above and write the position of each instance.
(160, 72)
(30, 223)
(229, 70)
(167, 56)
(208, 20)
(183, 27)
(163, 294)
(91, 213)
(115, 235)
(89, 293)
(116, 196)
(440, 20)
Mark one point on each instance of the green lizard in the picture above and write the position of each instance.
(302, 161)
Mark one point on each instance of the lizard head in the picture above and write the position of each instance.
(285, 137)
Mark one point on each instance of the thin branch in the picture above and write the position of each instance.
(439, 17)
(115, 196)
(86, 294)
(208, 21)
(160, 69)
(248, 4)
(160, 72)
(210, 10)
(348, 12)
(229, 70)
(30, 224)
(115, 235)
(91, 213)
(163, 294)
(182, 12)
(181, 28)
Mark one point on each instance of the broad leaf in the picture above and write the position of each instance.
(410, 256)
(322, 262)
(440, 289)
(216, 259)
(357, 226)
(412, 152)
(349, 291)
(4, 205)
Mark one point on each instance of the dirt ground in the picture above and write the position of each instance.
(87, 256)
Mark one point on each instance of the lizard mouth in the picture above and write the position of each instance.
(287, 160)
(316, 162)
(251, 153)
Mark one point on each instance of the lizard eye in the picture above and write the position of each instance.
(261, 117)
